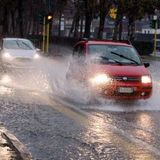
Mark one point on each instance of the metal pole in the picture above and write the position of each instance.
(47, 45)
(155, 38)
(44, 33)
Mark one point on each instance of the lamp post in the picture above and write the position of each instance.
(44, 34)
(155, 35)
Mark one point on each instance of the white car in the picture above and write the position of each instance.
(18, 51)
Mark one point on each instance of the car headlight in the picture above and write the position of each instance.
(146, 79)
(36, 56)
(100, 79)
(7, 55)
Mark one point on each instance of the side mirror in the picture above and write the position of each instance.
(38, 50)
(146, 65)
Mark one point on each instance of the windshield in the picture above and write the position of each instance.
(18, 44)
(114, 53)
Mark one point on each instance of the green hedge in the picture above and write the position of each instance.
(144, 48)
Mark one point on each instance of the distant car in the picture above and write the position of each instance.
(18, 51)
(112, 69)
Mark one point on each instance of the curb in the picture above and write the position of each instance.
(151, 57)
(14, 145)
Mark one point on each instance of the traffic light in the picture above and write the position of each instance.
(113, 13)
(153, 24)
(40, 18)
(49, 18)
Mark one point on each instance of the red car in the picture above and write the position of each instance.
(113, 69)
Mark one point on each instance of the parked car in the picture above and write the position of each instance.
(18, 51)
(112, 69)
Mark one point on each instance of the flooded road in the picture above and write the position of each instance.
(55, 122)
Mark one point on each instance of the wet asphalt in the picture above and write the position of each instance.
(54, 127)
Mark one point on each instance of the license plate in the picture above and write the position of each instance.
(125, 90)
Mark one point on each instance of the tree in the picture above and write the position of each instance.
(58, 10)
(141, 7)
(133, 10)
(78, 19)
(103, 10)
(90, 11)
(121, 10)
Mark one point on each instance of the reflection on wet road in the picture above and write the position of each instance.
(131, 139)
(32, 105)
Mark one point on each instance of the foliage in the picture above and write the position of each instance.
(133, 10)
(19, 17)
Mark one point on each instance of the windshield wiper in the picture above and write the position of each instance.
(18, 44)
(107, 58)
(122, 56)
(26, 45)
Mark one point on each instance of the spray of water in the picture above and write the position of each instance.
(78, 94)
(49, 75)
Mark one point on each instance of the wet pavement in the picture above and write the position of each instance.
(56, 127)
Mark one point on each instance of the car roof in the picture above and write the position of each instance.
(15, 39)
(110, 42)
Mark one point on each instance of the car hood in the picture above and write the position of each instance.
(20, 53)
(120, 70)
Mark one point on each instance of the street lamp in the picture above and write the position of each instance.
(49, 18)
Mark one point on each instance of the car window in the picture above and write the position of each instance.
(18, 44)
(78, 50)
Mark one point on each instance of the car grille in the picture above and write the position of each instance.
(127, 79)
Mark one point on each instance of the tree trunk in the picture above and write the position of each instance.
(120, 28)
(20, 17)
(88, 21)
(76, 31)
(130, 28)
(12, 21)
(59, 28)
(81, 27)
(132, 31)
(72, 28)
(5, 21)
(101, 25)
(75, 25)
(116, 28)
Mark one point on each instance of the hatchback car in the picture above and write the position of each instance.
(112, 69)
(18, 51)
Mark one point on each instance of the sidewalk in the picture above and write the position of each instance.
(151, 57)
(11, 148)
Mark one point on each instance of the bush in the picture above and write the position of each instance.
(144, 48)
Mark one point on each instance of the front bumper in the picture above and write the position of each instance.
(20, 64)
(139, 90)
